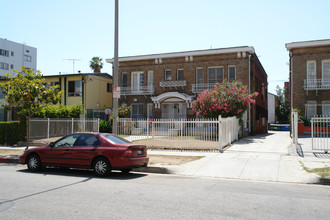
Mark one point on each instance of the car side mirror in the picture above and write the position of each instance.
(51, 144)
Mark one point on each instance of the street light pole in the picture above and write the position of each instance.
(115, 72)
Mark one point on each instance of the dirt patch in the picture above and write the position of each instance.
(171, 159)
(5, 152)
(168, 144)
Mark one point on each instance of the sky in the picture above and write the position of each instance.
(82, 29)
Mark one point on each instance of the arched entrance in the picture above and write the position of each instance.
(173, 104)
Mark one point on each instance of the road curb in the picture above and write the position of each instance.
(151, 169)
(9, 160)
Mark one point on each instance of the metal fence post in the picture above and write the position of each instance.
(296, 128)
(312, 125)
(72, 125)
(220, 134)
(48, 126)
(98, 125)
(181, 134)
(152, 130)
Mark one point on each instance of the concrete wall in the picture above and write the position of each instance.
(16, 60)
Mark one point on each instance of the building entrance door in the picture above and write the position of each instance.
(174, 111)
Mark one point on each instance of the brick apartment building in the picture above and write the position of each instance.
(310, 76)
(165, 85)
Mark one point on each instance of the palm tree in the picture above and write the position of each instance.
(96, 64)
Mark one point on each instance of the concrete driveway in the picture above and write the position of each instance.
(260, 158)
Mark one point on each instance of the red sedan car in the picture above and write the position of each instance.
(98, 151)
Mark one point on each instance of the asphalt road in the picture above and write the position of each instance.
(76, 194)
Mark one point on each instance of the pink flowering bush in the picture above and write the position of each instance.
(227, 100)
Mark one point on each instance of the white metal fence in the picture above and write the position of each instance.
(201, 134)
(48, 128)
(320, 127)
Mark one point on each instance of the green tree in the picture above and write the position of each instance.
(27, 91)
(283, 108)
(96, 64)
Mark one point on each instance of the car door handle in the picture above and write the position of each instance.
(93, 149)
(67, 149)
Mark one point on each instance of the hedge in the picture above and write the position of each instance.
(12, 132)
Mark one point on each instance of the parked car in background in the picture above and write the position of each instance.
(101, 152)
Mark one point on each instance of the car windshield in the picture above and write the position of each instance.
(115, 139)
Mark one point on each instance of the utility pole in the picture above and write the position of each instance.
(115, 72)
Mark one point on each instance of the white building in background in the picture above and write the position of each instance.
(14, 55)
(271, 108)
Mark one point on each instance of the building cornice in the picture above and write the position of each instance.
(247, 49)
(315, 43)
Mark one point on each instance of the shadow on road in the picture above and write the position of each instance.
(85, 173)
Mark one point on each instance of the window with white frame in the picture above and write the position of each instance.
(311, 73)
(123, 79)
(168, 75)
(4, 53)
(311, 109)
(179, 74)
(326, 73)
(214, 75)
(326, 108)
(75, 88)
(150, 110)
(137, 81)
(137, 111)
(150, 79)
(27, 58)
(199, 76)
(4, 66)
(231, 73)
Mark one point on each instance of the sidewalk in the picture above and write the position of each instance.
(258, 158)
(268, 157)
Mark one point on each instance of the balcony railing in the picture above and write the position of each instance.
(144, 90)
(179, 83)
(197, 88)
(316, 84)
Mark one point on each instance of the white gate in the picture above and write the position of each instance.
(320, 133)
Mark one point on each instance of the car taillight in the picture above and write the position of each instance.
(128, 153)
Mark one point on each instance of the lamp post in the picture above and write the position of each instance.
(115, 72)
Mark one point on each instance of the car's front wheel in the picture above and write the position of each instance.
(102, 167)
(34, 163)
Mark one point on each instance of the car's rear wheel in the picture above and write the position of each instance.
(34, 163)
(126, 171)
(102, 167)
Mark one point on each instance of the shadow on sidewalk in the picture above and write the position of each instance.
(253, 139)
